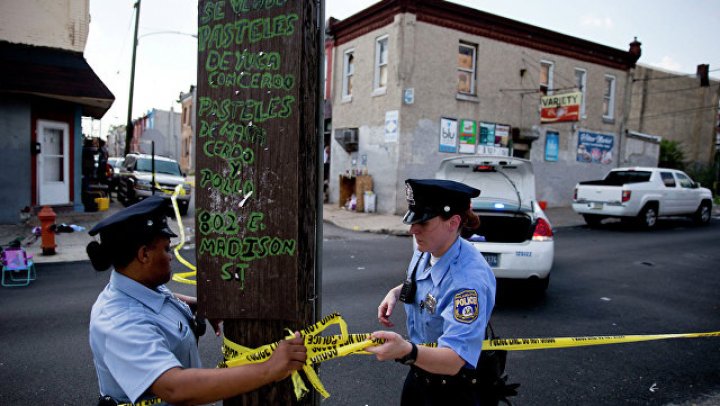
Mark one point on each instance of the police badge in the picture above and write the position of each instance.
(430, 303)
(466, 306)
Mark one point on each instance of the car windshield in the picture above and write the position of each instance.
(116, 162)
(161, 166)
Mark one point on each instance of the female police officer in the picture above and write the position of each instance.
(140, 333)
(449, 295)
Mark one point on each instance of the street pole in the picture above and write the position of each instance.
(129, 125)
(257, 214)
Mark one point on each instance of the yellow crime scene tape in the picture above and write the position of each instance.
(319, 349)
(324, 348)
(182, 277)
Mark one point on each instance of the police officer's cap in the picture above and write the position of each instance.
(148, 217)
(428, 198)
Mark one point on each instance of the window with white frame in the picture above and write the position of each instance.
(546, 77)
(348, 72)
(609, 97)
(581, 84)
(381, 63)
(467, 56)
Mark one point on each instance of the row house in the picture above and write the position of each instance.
(46, 87)
(676, 107)
(414, 82)
(157, 131)
(187, 129)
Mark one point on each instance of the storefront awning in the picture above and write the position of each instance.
(55, 74)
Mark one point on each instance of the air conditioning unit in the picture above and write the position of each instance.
(347, 138)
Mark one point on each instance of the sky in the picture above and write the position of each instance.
(676, 35)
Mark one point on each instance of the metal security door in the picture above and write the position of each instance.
(52, 163)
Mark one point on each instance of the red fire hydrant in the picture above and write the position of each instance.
(47, 219)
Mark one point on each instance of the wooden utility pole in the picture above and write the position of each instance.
(129, 128)
(257, 171)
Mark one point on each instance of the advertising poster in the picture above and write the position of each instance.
(595, 148)
(391, 126)
(560, 107)
(552, 146)
(468, 136)
(448, 135)
(487, 133)
(502, 135)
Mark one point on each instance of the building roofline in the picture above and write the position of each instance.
(476, 22)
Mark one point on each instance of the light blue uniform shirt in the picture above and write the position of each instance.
(462, 287)
(136, 334)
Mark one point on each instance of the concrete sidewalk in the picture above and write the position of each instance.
(71, 246)
(392, 224)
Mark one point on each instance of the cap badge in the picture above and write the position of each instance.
(409, 194)
(446, 209)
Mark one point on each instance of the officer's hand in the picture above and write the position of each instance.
(290, 355)
(386, 307)
(394, 347)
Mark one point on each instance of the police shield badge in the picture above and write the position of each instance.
(466, 306)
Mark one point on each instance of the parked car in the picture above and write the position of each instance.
(515, 235)
(116, 162)
(642, 194)
(135, 182)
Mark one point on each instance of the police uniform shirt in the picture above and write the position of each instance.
(136, 334)
(453, 301)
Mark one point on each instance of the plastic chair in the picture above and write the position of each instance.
(17, 268)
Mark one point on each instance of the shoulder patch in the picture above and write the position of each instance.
(466, 306)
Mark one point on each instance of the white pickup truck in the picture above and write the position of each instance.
(642, 194)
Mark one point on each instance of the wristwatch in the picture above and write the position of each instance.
(410, 358)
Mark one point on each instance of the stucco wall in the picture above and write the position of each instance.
(639, 152)
(675, 107)
(60, 24)
(14, 159)
(424, 57)
(367, 113)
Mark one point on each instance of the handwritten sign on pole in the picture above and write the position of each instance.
(256, 172)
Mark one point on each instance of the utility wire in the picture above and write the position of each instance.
(535, 65)
(692, 75)
(637, 90)
(128, 32)
(531, 90)
(669, 113)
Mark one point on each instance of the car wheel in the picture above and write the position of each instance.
(703, 214)
(541, 285)
(122, 195)
(647, 217)
(130, 197)
(592, 220)
(183, 208)
(535, 286)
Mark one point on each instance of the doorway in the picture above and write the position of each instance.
(53, 161)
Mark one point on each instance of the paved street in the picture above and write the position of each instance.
(608, 281)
